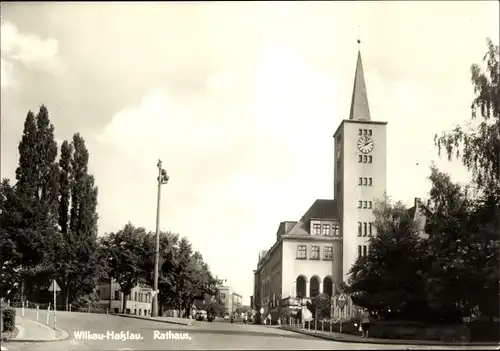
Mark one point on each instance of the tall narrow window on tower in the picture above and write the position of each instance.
(369, 132)
(365, 228)
(369, 159)
(360, 228)
(370, 225)
(360, 181)
(360, 158)
(370, 181)
(369, 204)
(360, 204)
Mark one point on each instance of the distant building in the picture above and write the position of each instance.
(315, 254)
(138, 302)
(229, 298)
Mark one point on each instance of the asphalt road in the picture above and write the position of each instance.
(200, 336)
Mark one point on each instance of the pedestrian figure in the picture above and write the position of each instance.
(365, 323)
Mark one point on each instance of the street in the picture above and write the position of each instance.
(201, 336)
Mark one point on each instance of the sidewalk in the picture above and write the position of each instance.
(358, 339)
(32, 331)
(171, 320)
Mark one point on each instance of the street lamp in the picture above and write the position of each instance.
(162, 179)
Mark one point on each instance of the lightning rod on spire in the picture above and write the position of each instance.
(359, 38)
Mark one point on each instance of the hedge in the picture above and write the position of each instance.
(9, 319)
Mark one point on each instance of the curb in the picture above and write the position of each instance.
(64, 334)
(391, 341)
(151, 319)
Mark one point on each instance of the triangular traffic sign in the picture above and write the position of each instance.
(54, 286)
(342, 297)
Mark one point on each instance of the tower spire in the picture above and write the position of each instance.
(360, 109)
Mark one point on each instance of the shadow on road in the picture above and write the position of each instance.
(235, 332)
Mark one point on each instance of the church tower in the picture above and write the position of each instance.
(360, 172)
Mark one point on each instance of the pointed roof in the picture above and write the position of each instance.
(359, 103)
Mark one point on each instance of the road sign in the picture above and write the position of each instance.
(54, 286)
(341, 301)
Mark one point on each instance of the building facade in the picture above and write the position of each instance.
(315, 254)
(230, 298)
(138, 302)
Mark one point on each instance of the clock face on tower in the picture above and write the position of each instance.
(365, 144)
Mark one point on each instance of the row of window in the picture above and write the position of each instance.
(365, 229)
(139, 297)
(315, 252)
(365, 159)
(365, 132)
(365, 204)
(326, 229)
(365, 181)
(362, 250)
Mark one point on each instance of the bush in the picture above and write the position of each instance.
(9, 319)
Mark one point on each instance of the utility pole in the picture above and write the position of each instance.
(162, 179)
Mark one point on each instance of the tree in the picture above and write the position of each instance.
(320, 306)
(36, 191)
(391, 275)
(168, 257)
(78, 266)
(10, 256)
(183, 275)
(463, 252)
(65, 180)
(123, 252)
(478, 148)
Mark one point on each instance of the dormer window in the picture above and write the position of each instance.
(326, 229)
(316, 229)
(336, 229)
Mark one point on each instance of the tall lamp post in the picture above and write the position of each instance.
(162, 179)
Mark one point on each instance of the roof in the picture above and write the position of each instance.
(320, 209)
(359, 103)
(285, 227)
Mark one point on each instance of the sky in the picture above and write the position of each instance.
(240, 101)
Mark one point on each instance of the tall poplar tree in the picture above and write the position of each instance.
(80, 267)
(37, 191)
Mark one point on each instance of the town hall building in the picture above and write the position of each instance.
(314, 255)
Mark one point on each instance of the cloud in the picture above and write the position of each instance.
(29, 50)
